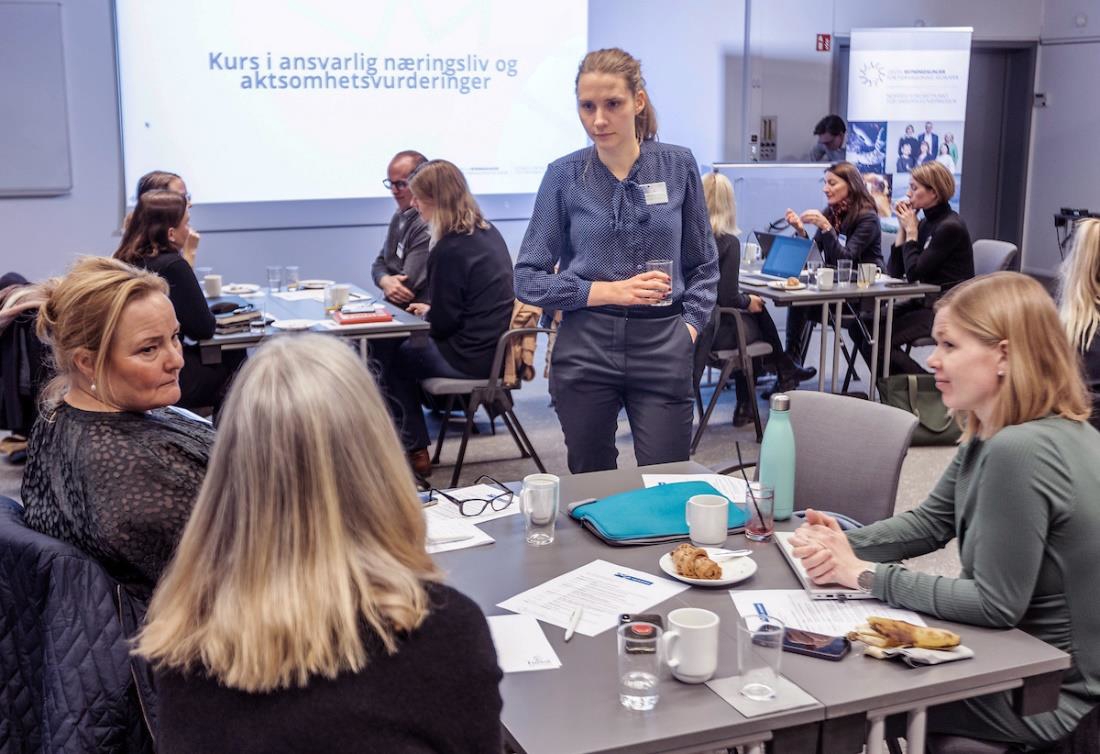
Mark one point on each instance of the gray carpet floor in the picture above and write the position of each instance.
(498, 455)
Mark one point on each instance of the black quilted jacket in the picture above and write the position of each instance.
(65, 678)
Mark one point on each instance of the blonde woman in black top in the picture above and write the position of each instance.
(302, 612)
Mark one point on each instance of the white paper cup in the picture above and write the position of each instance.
(825, 279)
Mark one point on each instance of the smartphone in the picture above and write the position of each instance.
(897, 283)
(816, 645)
(640, 632)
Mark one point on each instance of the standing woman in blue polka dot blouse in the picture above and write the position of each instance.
(627, 334)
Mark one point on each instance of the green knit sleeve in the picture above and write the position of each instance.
(1017, 484)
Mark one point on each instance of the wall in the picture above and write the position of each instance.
(691, 58)
(681, 51)
(1063, 163)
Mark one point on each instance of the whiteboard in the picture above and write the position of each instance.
(34, 135)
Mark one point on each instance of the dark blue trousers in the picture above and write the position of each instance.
(605, 362)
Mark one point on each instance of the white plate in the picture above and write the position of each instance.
(315, 284)
(240, 289)
(781, 285)
(734, 570)
(293, 324)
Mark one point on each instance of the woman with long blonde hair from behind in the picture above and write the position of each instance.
(1079, 300)
(302, 612)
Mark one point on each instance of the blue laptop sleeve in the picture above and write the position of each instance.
(647, 516)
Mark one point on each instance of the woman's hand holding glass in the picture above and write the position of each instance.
(641, 290)
(825, 552)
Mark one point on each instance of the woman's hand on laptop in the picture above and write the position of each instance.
(825, 552)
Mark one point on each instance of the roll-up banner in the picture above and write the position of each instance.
(906, 106)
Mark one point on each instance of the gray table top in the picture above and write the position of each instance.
(277, 308)
(576, 707)
(811, 295)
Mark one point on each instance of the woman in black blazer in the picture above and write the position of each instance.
(470, 271)
(848, 228)
(937, 250)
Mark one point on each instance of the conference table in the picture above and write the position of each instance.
(309, 305)
(576, 708)
(887, 290)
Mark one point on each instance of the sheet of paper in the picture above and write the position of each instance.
(731, 487)
(830, 617)
(603, 590)
(521, 645)
(445, 534)
(446, 509)
(310, 294)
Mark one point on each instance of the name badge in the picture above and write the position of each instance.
(655, 193)
(399, 252)
(842, 239)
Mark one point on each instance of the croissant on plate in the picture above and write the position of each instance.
(693, 563)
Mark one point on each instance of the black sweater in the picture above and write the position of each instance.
(471, 294)
(864, 239)
(192, 312)
(941, 253)
(438, 693)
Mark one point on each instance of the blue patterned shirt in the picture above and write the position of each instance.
(595, 227)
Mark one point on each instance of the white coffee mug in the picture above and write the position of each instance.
(708, 519)
(690, 645)
(212, 284)
(825, 278)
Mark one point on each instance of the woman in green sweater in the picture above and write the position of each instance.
(1022, 496)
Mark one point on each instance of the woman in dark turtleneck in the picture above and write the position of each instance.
(936, 251)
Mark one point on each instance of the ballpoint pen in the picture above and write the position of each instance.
(574, 620)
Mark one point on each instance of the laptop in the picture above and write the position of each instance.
(816, 591)
(786, 259)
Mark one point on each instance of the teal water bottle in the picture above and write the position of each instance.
(777, 456)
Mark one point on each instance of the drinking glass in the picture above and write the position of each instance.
(811, 271)
(274, 279)
(866, 274)
(759, 647)
(760, 504)
(665, 266)
(539, 502)
(290, 277)
(843, 272)
(639, 665)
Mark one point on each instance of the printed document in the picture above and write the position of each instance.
(830, 617)
(604, 591)
(730, 486)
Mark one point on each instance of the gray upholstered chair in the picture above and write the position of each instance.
(491, 393)
(730, 361)
(994, 256)
(848, 454)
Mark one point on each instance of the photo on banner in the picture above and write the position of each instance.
(906, 106)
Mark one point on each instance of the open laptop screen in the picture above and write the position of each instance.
(787, 256)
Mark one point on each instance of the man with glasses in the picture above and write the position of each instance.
(401, 269)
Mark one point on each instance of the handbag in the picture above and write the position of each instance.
(917, 394)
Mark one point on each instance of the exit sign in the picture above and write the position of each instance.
(824, 42)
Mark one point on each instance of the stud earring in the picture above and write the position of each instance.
(1000, 373)
(93, 387)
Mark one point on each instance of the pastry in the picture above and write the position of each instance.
(693, 563)
(886, 632)
(793, 282)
